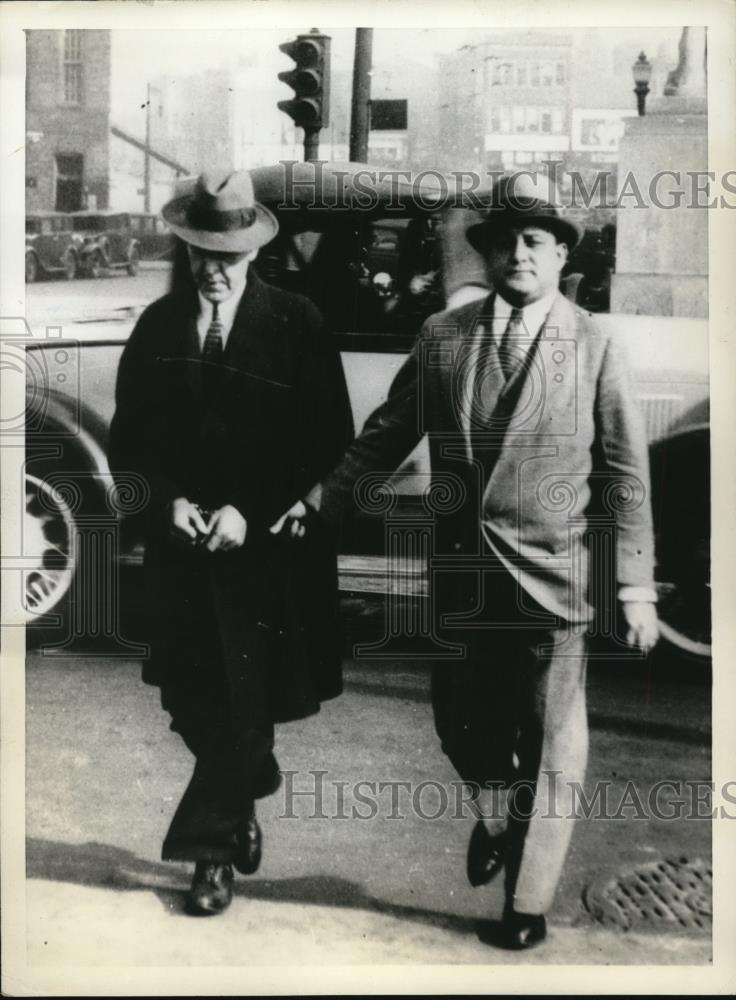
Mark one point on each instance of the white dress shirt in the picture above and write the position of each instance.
(532, 320)
(225, 313)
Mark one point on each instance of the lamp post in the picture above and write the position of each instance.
(642, 70)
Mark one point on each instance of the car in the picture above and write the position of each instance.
(107, 242)
(155, 239)
(335, 254)
(52, 246)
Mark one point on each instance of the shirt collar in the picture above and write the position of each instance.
(533, 315)
(225, 310)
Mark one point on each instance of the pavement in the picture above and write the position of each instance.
(388, 889)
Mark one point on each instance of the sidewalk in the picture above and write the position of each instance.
(104, 774)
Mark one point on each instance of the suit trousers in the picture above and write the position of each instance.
(513, 715)
(234, 764)
(551, 752)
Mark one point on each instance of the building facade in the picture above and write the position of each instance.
(507, 102)
(67, 119)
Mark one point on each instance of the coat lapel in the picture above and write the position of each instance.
(253, 347)
(543, 388)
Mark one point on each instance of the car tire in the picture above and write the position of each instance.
(95, 265)
(49, 534)
(681, 504)
(70, 265)
(134, 259)
(32, 268)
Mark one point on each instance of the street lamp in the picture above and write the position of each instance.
(642, 70)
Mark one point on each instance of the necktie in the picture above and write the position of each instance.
(509, 357)
(212, 348)
(212, 354)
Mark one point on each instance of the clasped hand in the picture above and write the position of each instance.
(295, 518)
(225, 529)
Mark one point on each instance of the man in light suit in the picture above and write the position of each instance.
(230, 402)
(531, 421)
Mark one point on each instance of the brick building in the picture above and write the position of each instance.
(507, 101)
(67, 119)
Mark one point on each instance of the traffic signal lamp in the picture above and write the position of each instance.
(310, 80)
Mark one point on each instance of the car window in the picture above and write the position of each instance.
(369, 278)
(89, 224)
(33, 226)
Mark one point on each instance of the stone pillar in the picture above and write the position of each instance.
(662, 253)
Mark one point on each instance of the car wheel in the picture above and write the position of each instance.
(32, 268)
(70, 265)
(134, 259)
(681, 505)
(95, 265)
(49, 544)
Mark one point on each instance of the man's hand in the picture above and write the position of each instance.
(295, 518)
(185, 521)
(227, 530)
(641, 617)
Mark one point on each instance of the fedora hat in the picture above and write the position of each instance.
(221, 213)
(524, 199)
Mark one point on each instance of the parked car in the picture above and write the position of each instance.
(107, 242)
(155, 239)
(52, 246)
(334, 256)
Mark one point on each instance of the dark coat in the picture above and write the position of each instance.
(279, 420)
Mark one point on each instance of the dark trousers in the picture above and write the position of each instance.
(234, 759)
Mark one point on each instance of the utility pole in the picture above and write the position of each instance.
(359, 119)
(147, 155)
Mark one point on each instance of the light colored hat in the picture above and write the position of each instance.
(221, 213)
(524, 199)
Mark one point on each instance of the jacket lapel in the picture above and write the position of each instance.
(254, 348)
(543, 388)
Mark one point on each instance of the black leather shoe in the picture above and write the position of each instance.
(522, 930)
(249, 839)
(212, 888)
(486, 855)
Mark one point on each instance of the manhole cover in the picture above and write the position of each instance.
(673, 894)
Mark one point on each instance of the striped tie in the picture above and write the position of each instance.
(507, 356)
(212, 349)
(212, 355)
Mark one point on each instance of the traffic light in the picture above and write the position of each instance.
(310, 80)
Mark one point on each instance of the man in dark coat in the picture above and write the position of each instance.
(536, 441)
(231, 401)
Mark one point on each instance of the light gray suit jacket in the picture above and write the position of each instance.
(570, 474)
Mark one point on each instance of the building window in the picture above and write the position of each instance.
(502, 73)
(519, 118)
(521, 74)
(532, 119)
(560, 73)
(534, 74)
(547, 74)
(69, 181)
(557, 120)
(505, 117)
(546, 121)
(495, 120)
(73, 67)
